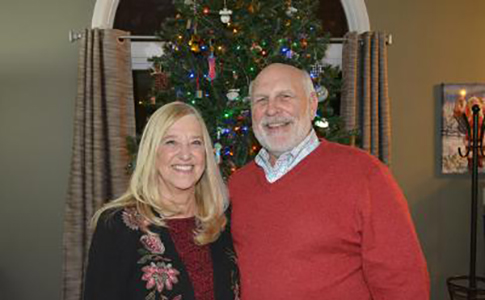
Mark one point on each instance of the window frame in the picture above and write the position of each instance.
(105, 12)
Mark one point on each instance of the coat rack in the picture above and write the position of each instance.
(470, 287)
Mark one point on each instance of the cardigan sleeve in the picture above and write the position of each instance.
(393, 262)
(108, 268)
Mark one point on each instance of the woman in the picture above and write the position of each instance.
(165, 238)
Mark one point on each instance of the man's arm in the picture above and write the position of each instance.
(393, 263)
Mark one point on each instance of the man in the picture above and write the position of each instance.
(313, 219)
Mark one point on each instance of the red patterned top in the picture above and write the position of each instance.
(197, 259)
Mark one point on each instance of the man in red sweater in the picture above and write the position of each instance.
(313, 219)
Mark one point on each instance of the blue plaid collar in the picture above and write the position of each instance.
(288, 160)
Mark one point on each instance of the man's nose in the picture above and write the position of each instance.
(272, 107)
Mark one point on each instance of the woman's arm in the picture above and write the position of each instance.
(109, 261)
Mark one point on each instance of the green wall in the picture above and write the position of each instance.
(434, 42)
(38, 71)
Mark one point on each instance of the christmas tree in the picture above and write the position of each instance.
(214, 48)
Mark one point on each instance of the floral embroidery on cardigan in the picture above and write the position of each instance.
(160, 276)
(132, 218)
(157, 269)
(234, 274)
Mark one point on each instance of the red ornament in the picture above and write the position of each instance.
(212, 67)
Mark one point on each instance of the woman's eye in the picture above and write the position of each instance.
(169, 142)
(197, 142)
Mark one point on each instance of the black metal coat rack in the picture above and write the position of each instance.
(471, 287)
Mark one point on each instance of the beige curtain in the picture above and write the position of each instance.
(365, 104)
(104, 117)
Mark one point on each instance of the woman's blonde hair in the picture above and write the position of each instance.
(143, 191)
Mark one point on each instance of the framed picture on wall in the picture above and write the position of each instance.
(457, 101)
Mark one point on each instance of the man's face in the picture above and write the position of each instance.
(282, 112)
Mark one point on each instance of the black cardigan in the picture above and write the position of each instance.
(117, 256)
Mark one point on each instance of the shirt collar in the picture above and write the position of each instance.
(287, 160)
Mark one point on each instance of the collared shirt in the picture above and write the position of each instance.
(287, 160)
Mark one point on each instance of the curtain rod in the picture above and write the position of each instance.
(74, 36)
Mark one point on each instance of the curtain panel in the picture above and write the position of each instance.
(104, 118)
(365, 104)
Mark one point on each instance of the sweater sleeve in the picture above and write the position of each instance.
(108, 268)
(393, 263)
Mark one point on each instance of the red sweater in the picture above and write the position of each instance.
(336, 227)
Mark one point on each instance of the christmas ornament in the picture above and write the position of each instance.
(212, 67)
(304, 43)
(194, 43)
(289, 54)
(233, 94)
(323, 123)
(322, 93)
(225, 14)
(161, 79)
(217, 150)
(317, 69)
(256, 47)
(198, 92)
(291, 11)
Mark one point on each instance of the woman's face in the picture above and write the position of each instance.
(181, 157)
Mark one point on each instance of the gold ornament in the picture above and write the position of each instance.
(194, 43)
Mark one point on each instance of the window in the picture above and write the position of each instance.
(143, 18)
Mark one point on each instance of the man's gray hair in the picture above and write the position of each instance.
(306, 81)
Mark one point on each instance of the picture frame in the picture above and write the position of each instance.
(454, 137)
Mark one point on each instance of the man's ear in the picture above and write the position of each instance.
(313, 104)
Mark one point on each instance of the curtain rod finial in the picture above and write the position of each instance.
(74, 36)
